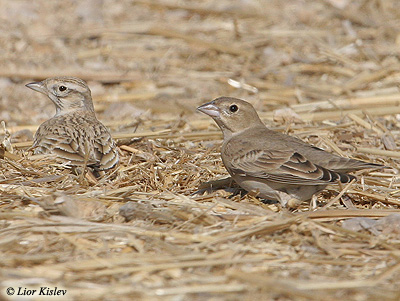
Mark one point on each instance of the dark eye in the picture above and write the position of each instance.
(62, 88)
(233, 108)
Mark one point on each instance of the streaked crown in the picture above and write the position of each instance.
(69, 94)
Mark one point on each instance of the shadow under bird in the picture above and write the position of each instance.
(276, 166)
(74, 133)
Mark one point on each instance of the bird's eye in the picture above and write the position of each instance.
(62, 88)
(233, 108)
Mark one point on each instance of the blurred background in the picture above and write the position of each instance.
(150, 59)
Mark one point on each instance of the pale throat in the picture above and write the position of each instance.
(226, 131)
(65, 107)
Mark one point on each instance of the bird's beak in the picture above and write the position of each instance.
(210, 109)
(37, 86)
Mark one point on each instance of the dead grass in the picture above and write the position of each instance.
(142, 232)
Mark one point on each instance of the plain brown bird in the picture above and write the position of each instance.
(74, 133)
(274, 165)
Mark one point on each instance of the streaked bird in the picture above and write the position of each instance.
(74, 133)
(274, 165)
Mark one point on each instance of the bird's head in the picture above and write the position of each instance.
(232, 115)
(69, 94)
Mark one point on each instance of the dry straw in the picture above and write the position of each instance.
(145, 231)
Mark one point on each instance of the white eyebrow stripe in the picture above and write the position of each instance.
(74, 86)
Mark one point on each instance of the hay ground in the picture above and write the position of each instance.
(324, 71)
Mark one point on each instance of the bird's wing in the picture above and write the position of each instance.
(105, 150)
(68, 143)
(87, 139)
(283, 166)
(325, 159)
(334, 162)
(66, 148)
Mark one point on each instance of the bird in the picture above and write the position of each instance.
(274, 165)
(74, 134)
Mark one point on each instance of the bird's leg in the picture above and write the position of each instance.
(287, 200)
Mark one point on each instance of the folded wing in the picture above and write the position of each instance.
(288, 167)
